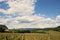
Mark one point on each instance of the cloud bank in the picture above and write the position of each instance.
(19, 15)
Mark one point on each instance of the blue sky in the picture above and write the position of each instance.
(3, 5)
(50, 8)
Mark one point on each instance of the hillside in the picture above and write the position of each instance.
(34, 30)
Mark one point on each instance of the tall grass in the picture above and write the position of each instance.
(30, 36)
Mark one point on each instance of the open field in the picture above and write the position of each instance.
(51, 35)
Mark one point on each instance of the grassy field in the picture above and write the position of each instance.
(50, 35)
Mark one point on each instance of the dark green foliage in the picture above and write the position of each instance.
(19, 31)
(2, 28)
(35, 30)
(57, 28)
(54, 29)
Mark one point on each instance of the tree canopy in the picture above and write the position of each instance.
(2, 28)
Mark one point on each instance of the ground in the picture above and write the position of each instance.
(50, 35)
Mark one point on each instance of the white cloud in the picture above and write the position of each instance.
(58, 20)
(1, 0)
(3, 20)
(31, 22)
(23, 10)
(20, 7)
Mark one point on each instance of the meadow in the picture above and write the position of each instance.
(49, 35)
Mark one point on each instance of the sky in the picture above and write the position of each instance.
(50, 8)
(30, 13)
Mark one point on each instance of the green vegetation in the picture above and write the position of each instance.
(19, 31)
(2, 28)
(57, 28)
(54, 29)
(35, 30)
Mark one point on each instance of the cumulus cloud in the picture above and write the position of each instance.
(58, 20)
(20, 7)
(31, 22)
(1, 0)
(19, 15)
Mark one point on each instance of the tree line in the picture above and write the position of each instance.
(4, 28)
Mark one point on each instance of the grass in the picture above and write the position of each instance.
(50, 35)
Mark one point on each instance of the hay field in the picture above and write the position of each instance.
(51, 35)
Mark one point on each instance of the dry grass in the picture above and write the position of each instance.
(51, 35)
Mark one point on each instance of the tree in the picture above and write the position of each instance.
(2, 28)
(57, 28)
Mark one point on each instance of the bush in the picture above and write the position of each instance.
(2, 28)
